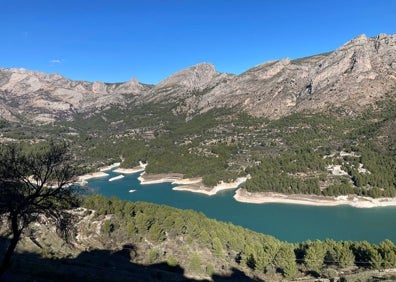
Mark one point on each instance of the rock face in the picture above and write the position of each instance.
(354, 76)
(191, 89)
(38, 97)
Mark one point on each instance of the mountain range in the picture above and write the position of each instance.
(353, 77)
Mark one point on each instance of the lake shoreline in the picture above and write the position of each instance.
(198, 187)
(140, 168)
(193, 185)
(83, 179)
(242, 195)
(146, 179)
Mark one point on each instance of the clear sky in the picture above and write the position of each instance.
(115, 40)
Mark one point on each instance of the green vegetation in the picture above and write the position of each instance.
(312, 144)
(216, 243)
(294, 154)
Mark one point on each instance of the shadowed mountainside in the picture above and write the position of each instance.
(99, 265)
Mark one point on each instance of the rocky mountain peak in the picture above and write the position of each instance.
(98, 87)
(358, 40)
(133, 81)
(186, 84)
(195, 77)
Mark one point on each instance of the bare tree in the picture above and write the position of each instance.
(35, 182)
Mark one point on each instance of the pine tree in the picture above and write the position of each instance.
(285, 260)
(34, 184)
(314, 256)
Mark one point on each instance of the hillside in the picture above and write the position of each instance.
(124, 241)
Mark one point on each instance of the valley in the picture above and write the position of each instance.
(321, 127)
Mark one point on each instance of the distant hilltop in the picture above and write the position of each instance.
(354, 76)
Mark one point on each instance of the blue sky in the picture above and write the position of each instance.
(116, 40)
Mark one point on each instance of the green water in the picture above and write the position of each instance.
(292, 223)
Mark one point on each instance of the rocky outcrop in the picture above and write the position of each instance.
(189, 88)
(354, 76)
(38, 97)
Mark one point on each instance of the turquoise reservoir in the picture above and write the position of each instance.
(292, 223)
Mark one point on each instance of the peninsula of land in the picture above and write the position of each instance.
(196, 185)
